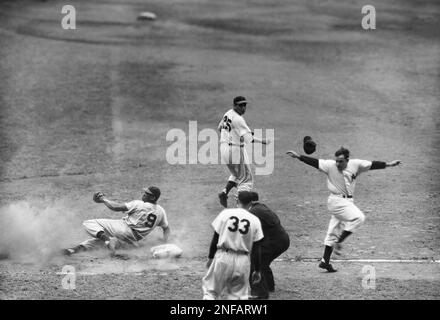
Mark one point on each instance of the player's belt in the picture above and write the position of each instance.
(233, 251)
(234, 144)
(345, 196)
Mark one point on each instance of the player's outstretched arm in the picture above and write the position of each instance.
(113, 205)
(394, 163)
(307, 160)
(262, 141)
(250, 138)
(382, 165)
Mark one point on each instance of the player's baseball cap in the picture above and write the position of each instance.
(240, 100)
(309, 145)
(155, 191)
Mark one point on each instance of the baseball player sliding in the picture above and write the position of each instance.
(234, 135)
(237, 232)
(142, 217)
(341, 179)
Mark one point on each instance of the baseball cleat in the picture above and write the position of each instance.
(68, 251)
(337, 248)
(327, 266)
(223, 197)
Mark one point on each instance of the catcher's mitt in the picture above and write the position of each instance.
(97, 197)
(309, 145)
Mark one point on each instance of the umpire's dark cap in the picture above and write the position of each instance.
(254, 196)
(245, 197)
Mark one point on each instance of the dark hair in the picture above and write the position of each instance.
(342, 151)
(245, 197)
(254, 196)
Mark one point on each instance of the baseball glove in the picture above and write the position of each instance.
(309, 145)
(97, 197)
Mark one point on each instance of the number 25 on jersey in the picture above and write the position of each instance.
(226, 123)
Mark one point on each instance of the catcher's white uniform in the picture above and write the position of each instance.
(228, 275)
(141, 219)
(235, 133)
(345, 214)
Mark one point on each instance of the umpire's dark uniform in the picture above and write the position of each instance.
(275, 242)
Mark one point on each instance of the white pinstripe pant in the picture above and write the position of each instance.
(345, 216)
(237, 161)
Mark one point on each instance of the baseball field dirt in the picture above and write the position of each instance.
(89, 110)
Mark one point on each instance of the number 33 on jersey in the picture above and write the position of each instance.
(238, 229)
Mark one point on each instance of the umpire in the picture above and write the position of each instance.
(275, 242)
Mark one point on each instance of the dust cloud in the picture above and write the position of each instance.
(32, 231)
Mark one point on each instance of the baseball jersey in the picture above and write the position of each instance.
(238, 229)
(343, 182)
(143, 217)
(233, 128)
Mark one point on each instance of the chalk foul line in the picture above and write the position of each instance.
(362, 260)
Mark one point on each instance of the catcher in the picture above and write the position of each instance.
(142, 217)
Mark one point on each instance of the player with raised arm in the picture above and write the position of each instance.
(142, 216)
(341, 179)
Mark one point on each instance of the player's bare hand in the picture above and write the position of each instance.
(98, 197)
(293, 154)
(208, 264)
(394, 163)
(256, 277)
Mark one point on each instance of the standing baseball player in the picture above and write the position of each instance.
(275, 242)
(341, 179)
(142, 216)
(234, 135)
(236, 233)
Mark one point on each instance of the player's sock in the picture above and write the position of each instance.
(327, 253)
(344, 235)
(101, 235)
(79, 248)
(229, 186)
